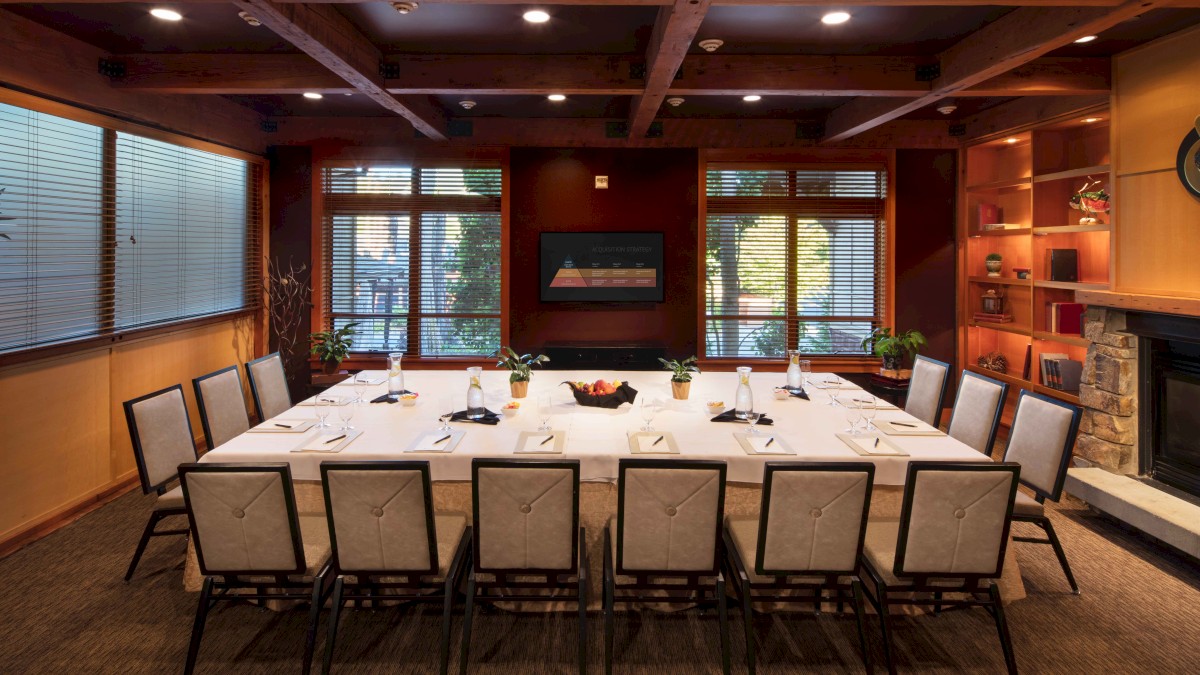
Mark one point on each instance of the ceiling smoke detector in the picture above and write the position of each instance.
(405, 7)
(467, 105)
(249, 19)
(710, 45)
(947, 108)
(675, 101)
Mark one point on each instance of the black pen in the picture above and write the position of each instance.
(335, 438)
(769, 442)
(877, 442)
(443, 438)
(903, 424)
(657, 441)
(285, 426)
(548, 439)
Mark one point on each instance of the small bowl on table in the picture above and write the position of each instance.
(408, 400)
(781, 394)
(511, 412)
(715, 407)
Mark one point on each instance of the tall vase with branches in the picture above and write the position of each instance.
(287, 293)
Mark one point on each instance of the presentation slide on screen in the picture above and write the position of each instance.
(601, 266)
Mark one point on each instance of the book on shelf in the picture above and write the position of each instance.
(1065, 318)
(1025, 372)
(1001, 226)
(988, 214)
(1061, 372)
(984, 317)
(1044, 367)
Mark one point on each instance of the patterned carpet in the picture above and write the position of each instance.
(64, 609)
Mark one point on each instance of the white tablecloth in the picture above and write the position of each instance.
(595, 436)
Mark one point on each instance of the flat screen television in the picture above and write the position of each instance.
(602, 266)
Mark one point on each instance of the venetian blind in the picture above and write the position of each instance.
(105, 231)
(412, 255)
(794, 259)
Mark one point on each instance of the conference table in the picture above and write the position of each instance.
(814, 430)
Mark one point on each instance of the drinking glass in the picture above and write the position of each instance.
(446, 403)
(360, 387)
(346, 413)
(322, 405)
(805, 373)
(833, 392)
(853, 415)
(868, 414)
(649, 409)
(545, 407)
(753, 416)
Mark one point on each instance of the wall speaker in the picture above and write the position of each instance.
(1064, 264)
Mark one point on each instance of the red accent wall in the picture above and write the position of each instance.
(553, 190)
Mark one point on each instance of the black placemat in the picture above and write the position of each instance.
(798, 392)
(489, 417)
(730, 416)
(387, 398)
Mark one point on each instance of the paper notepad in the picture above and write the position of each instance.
(763, 444)
(436, 441)
(907, 428)
(282, 426)
(831, 383)
(366, 377)
(644, 443)
(865, 401)
(872, 446)
(332, 400)
(328, 441)
(541, 442)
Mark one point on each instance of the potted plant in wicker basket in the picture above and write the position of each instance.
(894, 349)
(681, 375)
(521, 368)
(331, 346)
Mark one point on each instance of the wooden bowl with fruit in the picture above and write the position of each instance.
(602, 394)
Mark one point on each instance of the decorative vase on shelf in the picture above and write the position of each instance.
(993, 265)
(475, 407)
(744, 399)
(395, 375)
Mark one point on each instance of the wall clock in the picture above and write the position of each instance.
(1188, 161)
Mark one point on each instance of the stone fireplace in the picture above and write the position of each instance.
(1108, 393)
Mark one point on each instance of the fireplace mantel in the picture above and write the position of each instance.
(1161, 304)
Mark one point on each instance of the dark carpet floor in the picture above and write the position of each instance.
(64, 609)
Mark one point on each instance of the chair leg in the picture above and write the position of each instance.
(748, 621)
(886, 630)
(724, 614)
(447, 616)
(314, 619)
(1058, 551)
(464, 653)
(141, 547)
(937, 607)
(860, 611)
(198, 626)
(609, 601)
(583, 602)
(335, 614)
(1010, 659)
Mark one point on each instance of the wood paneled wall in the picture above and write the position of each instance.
(65, 440)
(1156, 101)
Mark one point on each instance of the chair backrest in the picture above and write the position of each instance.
(955, 518)
(926, 389)
(269, 385)
(380, 517)
(813, 517)
(669, 515)
(161, 434)
(222, 405)
(1041, 440)
(976, 412)
(526, 515)
(243, 518)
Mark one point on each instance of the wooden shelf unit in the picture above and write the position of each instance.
(1029, 183)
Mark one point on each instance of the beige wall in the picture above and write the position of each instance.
(1156, 100)
(63, 437)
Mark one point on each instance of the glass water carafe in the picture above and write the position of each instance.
(795, 378)
(395, 375)
(475, 407)
(744, 400)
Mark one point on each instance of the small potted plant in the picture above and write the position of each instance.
(992, 262)
(521, 368)
(681, 375)
(331, 346)
(894, 349)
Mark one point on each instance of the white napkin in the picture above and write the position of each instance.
(759, 443)
(428, 442)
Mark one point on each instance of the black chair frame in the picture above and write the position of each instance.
(842, 584)
(138, 454)
(991, 439)
(254, 385)
(1040, 496)
(505, 581)
(980, 590)
(252, 584)
(407, 587)
(699, 591)
(937, 415)
(200, 399)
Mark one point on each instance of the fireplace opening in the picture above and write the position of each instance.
(1169, 391)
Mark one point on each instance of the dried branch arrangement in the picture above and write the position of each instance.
(287, 296)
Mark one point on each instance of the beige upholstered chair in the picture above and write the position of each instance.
(386, 536)
(527, 534)
(976, 412)
(667, 529)
(222, 405)
(1041, 441)
(950, 538)
(808, 536)
(927, 390)
(162, 440)
(268, 384)
(250, 543)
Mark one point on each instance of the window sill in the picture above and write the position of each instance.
(838, 363)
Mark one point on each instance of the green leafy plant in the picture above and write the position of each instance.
(894, 349)
(331, 346)
(994, 257)
(521, 366)
(681, 371)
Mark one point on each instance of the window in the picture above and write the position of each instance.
(102, 230)
(794, 259)
(412, 255)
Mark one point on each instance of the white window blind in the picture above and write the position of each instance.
(794, 259)
(104, 231)
(412, 255)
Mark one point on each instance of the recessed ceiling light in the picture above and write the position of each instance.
(1010, 141)
(1085, 39)
(710, 45)
(834, 18)
(250, 19)
(557, 97)
(313, 95)
(467, 104)
(165, 14)
(675, 101)
(1089, 120)
(405, 7)
(536, 16)
(751, 98)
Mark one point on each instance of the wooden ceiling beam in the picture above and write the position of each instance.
(1027, 112)
(999, 47)
(329, 38)
(674, 29)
